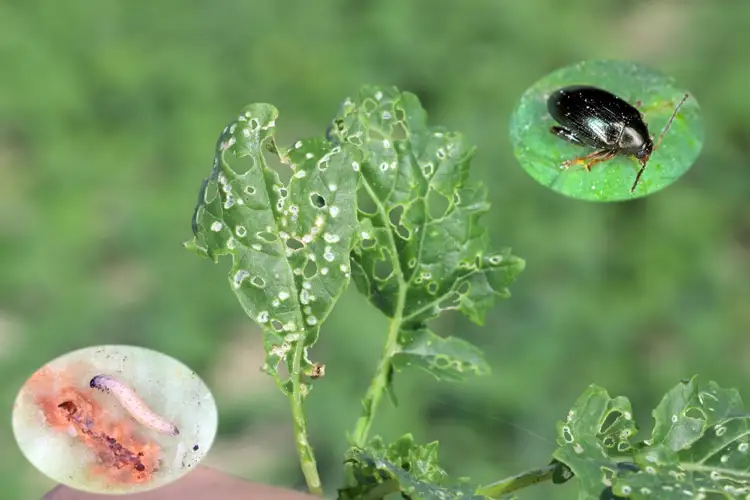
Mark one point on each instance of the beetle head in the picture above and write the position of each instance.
(644, 153)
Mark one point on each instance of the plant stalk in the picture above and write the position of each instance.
(380, 381)
(517, 482)
(304, 450)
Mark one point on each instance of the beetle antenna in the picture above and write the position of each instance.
(638, 177)
(669, 123)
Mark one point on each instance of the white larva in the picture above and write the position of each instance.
(134, 405)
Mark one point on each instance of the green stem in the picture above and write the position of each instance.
(517, 482)
(304, 450)
(379, 382)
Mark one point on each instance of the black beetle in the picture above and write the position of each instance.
(599, 119)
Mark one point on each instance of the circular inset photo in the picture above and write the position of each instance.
(114, 419)
(606, 131)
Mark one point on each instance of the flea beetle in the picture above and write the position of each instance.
(599, 119)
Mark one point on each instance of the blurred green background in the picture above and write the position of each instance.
(109, 113)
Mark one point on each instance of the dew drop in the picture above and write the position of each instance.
(334, 211)
(331, 238)
(312, 320)
(262, 317)
(216, 226)
(283, 295)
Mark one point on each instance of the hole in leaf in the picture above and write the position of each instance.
(365, 204)
(258, 281)
(249, 190)
(695, 413)
(400, 115)
(277, 325)
(567, 436)
(369, 106)
(395, 214)
(398, 131)
(368, 243)
(437, 203)
(442, 362)
(212, 191)
(609, 421)
(383, 267)
(608, 441)
(432, 287)
(283, 192)
(266, 236)
(311, 269)
(355, 139)
(294, 244)
(464, 288)
(283, 170)
(240, 164)
(317, 200)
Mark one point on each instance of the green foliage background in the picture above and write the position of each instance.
(109, 113)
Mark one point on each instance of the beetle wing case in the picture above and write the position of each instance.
(594, 116)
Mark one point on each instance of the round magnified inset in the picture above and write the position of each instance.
(606, 131)
(114, 419)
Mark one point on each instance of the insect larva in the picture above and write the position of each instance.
(134, 405)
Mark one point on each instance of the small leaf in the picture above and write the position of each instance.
(444, 358)
(597, 426)
(701, 445)
(404, 467)
(687, 410)
(422, 249)
(541, 153)
(290, 243)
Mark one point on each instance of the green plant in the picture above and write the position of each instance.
(385, 200)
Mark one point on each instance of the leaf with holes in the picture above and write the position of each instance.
(597, 428)
(404, 467)
(422, 248)
(700, 446)
(289, 243)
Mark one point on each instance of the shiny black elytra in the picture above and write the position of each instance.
(599, 119)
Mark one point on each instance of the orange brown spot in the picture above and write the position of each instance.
(122, 456)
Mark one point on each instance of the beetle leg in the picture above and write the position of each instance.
(591, 159)
(566, 135)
